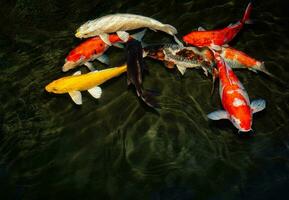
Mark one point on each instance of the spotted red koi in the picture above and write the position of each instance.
(94, 48)
(235, 100)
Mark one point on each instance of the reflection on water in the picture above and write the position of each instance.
(116, 147)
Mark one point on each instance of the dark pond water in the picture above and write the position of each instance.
(117, 148)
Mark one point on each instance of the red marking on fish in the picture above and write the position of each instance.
(234, 98)
(217, 37)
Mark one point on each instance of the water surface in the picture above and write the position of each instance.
(116, 147)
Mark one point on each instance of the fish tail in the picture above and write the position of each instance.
(246, 16)
(276, 79)
(148, 97)
(265, 71)
(169, 29)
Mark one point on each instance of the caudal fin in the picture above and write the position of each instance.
(148, 98)
(263, 69)
(246, 16)
(169, 29)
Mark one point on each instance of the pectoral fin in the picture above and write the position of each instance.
(76, 97)
(138, 36)
(104, 59)
(182, 69)
(77, 73)
(95, 92)
(128, 81)
(258, 105)
(216, 47)
(217, 115)
(124, 36)
(169, 64)
(105, 38)
(118, 45)
(90, 66)
(201, 29)
(253, 70)
(215, 75)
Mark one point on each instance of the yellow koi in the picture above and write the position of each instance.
(81, 82)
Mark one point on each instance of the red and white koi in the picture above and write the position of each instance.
(94, 48)
(237, 59)
(235, 100)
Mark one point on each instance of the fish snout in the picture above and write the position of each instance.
(155, 53)
(78, 34)
(49, 88)
(68, 65)
(53, 87)
(246, 132)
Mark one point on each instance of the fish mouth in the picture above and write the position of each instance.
(78, 35)
(246, 131)
(49, 88)
(68, 65)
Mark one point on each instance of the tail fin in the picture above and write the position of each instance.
(148, 98)
(169, 29)
(247, 13)
(263, 69)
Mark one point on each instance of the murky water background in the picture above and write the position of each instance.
(117, 148)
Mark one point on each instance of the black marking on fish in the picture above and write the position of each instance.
(135, 67)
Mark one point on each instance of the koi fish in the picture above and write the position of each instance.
(238, 59)
(215, 38)
(135, 67)
(81, 82)
(94, 48)
(181, 57)
(235, 100)
(120, 23)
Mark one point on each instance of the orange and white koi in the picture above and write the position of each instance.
(238, 59)
(215, 38)
(235, 100)
(94, 48)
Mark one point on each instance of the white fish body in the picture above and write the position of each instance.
(120, 23)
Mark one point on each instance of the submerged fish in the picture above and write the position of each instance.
(120, 23)
(92, 49)
(81, 82)
(235, 100)
(182, 57)
(215, 38)
(135, 67)
(238, 59)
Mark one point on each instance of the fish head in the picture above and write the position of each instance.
(69, 65)
(53, 87)
(72, 61)
(242, 121)
(154, 51)
(189, 38)
(88, 29)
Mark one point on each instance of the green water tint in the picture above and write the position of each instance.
(117, 148)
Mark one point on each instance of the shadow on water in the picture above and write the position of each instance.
(116, 147)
